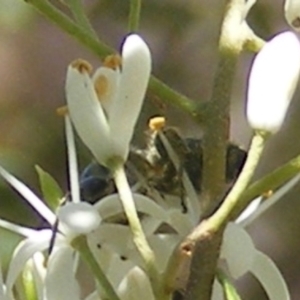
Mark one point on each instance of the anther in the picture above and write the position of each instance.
(62, 111)
(82, 66)
(157, 123)
(113, 61)
(101, 85)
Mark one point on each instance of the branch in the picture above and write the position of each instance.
(204, 242)
(222, 215)
(270, 182)
(77, 10)
(217, 120)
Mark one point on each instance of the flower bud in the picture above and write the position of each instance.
(272, 82)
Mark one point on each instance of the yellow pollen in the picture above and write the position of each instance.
(268, 194)
(62, 111)
(157, 123)
(113, 61)
(101, 85)
(82, 66)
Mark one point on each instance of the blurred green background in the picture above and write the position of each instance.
(183, 35)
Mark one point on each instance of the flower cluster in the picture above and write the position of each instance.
(104, 109)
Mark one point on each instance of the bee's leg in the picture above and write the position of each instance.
(53, 237)
(182, 193)
(55, 225)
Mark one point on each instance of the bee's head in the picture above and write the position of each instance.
(95, 183)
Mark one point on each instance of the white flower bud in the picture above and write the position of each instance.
(292, 13)
(272, 82)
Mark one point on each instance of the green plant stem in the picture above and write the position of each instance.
(134, 15)
(206, 231)
(139, 237)
(228, 288)
(270, 182)
(222, 215)
(168, 95)
(77, 9)
(69, 26)
(161, 90)
(80, 244)
(205, 240)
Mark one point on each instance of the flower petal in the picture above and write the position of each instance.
(78, 218)
(117, 238)
(111, 206)
(118, 270)
(218, 293)
(265, 270)
(272, 82)
(266, 204)
(25, 250)
(72, 161)
(249, 210)
(60, 282)
(135, 286)
(106, 82)
(163, 246)
(238, 250)
(180, 222)
(17, 228)
(136, 68)
(86, 112)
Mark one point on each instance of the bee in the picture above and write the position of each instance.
(96, 181)
(152, 167)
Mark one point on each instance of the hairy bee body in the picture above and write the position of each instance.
(153, 168)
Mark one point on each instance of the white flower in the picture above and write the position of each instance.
(135, 286)
(292, 13)
(272, 82)
(104, 109)
(241, 257)
(75, 218)
(238, 251)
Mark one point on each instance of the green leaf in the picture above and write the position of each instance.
(52, 193)
(229, 289)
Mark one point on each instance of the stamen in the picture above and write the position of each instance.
(113, 61)
(82, 66)
(157, 123)
(101, 85)
(62, 111)
(268, 194)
